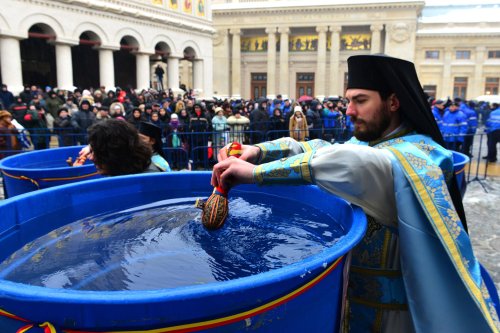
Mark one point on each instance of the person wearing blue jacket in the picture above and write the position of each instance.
(493, 132)
(454, 127)
(438, 112)
(471, 115)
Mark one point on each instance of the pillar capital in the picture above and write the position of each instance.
(8, 34)
(144, 52)
(284, 30)
(376, 27)
(335, 28)
(66, 41)
(321, 29)
(108, 47)
(270, 30)
(235, 31)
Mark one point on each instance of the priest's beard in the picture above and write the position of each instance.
(372, 129)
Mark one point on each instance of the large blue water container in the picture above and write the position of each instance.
(460, 162)
(41, 169)
(305, 296)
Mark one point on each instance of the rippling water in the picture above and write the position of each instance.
(164, 245)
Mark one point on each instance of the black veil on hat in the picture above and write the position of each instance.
(154, 132)
(387, 75)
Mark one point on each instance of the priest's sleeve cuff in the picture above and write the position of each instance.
(272, 150)
(294, 170)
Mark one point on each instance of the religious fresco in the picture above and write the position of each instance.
(172, 4)
(254, 44)
(355, 42)
(200, 8)
(157, 2)
(303, 43)
(187, 6)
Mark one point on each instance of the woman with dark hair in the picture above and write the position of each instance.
(116, 149)
(136, 118)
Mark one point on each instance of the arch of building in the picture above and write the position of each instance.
(135, 24)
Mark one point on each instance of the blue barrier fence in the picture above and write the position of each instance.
(198, 150)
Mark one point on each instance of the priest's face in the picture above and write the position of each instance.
(370, 115)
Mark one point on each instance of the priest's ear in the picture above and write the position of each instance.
(393, 102)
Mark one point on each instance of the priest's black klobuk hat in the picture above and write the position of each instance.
(392, 75)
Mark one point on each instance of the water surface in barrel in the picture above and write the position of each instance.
(164, 245)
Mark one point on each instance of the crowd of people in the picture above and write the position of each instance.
(193, 130)
(458, 122)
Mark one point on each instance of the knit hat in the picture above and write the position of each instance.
(297, 108)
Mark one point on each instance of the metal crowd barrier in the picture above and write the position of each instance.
(198, 150)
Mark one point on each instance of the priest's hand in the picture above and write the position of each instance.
(232, 171)
(248, 153)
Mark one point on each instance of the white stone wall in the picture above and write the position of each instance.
(110, 21)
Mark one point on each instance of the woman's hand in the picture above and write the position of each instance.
(86, 152)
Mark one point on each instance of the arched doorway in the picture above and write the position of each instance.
(159, 60)
(38, 56)
(85, 58)
(125, 63)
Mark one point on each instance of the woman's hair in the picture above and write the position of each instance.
(179, 106)
(117, 148)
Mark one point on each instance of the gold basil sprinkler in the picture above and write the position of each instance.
(214, 211)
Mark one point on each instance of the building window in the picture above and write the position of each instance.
(258, 85)
(432, 54)
(460, 87)
(491, 87)
(462, 54)
(430, 90)
(495, 54)
(305, 84)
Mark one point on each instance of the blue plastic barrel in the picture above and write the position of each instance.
(305, 296)
(460, 162)
(41, 169)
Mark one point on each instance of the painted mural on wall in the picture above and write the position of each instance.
(157, 2)
(355, 42)
(200, 8)
(187, 6)
(307, 43)
(254, 44)
(172, 4)
(303, 43)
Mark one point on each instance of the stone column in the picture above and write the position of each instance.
(236, 64)
(447, 90)
(198, 76)
(10, 62)
(173, 73)
(320, 79)
(107, 67)
(336, 78)
(64, 66)
(143, 73)
(376, 30)
(284, 79)
(271, 62)
(478, 81)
